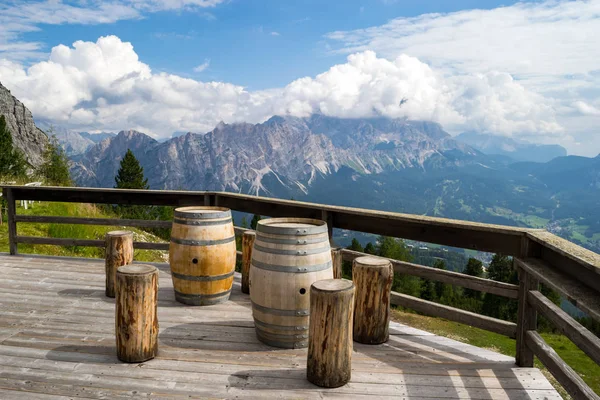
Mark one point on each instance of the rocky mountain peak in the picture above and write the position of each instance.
(282, 155)
(26, 136)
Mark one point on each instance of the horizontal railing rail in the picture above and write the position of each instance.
(539, 257)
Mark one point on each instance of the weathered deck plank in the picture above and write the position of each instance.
(57, 341)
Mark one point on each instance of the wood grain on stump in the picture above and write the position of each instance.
(119, 251)
(373, 278)
(247, 242)
(329, 362)
(336, 259)
(136, 320)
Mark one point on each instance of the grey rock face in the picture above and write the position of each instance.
(74, 143)
(281, 156)
(26, 136)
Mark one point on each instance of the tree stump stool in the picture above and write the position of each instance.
(136, 320)
(330, 333)
(336, 260)
(247, 242)
(373, 278)
(119, 251)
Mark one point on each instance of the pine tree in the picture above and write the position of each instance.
(356, 246)
(254, 222)
(500, 269)
(474, 267)
(55, 168)
(370, 249)
(12, 161)
(131, 173)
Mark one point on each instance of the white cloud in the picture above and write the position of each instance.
(104, 86)
(549, 48)
(20, 17)
(202, 66)
(275, 33)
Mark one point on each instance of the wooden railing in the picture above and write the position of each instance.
(539, 257)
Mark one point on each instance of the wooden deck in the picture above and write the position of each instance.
(57, 341)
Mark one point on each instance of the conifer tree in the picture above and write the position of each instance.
(474, 267)
(501, 270)
(254, 222)
(55, 168)
(12, 161)
(370, 249)
(356, 246)
(130, 174)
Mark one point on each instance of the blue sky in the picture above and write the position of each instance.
(237, 36)
(528, 70)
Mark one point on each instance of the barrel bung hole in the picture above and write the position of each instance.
(302, 291)
(195, 261)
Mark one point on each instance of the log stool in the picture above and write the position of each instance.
(136, 320)
(247, 242)
(330, 332)
(336, 261)
(373, 278)
(119, 251)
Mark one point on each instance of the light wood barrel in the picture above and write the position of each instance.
(289, 255)
(202, 255)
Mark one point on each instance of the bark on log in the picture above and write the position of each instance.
(329, 360)
(373, 278)
(247, 242)
(336, 259)
(119, 251)
(136, 320)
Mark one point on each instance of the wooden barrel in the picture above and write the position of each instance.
(202, 255)
(289, 255)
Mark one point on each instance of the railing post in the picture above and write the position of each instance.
(12, 224)
(526, 314)
(328, 217)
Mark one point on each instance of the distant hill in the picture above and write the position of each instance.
(517, 150)
(26, 135)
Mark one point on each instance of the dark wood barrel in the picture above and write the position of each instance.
(288, 256)
(202, 255)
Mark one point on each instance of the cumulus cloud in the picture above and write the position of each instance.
(104, 86)
(538, 59)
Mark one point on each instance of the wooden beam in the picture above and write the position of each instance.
(573, 260)
(485, 237)
(12, 224)
(86, 242)
(109, 196)
(526, 318)
(582, 296)
(93, 221)
(440, 275)
(454, 314)
(564, 374)
(577, 333)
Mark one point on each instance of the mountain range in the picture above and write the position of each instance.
(517, 150)
(387, 164)
(283, 156)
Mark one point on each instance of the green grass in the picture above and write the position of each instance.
(530, 220)
(72, 231)
(567, 350)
